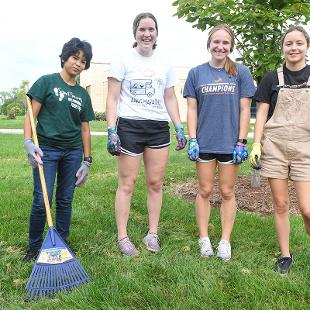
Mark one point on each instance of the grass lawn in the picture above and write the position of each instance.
(175, 278)
(18, 123)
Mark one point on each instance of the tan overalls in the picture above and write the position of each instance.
(286, 142)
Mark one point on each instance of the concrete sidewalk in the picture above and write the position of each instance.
(93, 133)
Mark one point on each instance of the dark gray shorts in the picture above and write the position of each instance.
(136, 135)
(221, 158)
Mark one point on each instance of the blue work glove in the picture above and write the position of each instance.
(193, 150)
(179, 134)
(240, 153)
(114, 143)
(34, 153)
(82, 173)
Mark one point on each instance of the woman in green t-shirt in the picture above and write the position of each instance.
(62, 109)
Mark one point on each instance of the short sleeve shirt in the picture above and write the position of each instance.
(63, 109)
(218, 97)
(144, 80)
(268, 90)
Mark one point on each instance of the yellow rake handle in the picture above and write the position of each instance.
(41, 172)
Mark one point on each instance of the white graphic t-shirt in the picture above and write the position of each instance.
(144, 80)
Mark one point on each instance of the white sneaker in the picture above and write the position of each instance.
(205, 247)
(224, 250)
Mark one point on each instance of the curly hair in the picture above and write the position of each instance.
(72, 47)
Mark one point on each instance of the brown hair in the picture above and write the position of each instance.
(230, 66)
(136, 23)
(298, 28)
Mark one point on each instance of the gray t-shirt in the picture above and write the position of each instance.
(218, 97)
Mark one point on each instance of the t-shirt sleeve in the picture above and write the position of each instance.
(38, 90)
(264, 89)
(172, 77)
(117, 69)
(247, 87)
(87, 113)
(189, 86)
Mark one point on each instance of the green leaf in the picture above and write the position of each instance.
(258, 25)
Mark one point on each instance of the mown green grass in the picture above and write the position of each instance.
(175, 278)
(18, 123)
(98, 126)
(6, 123)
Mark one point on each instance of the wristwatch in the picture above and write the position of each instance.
(88, 159)
(243, 141)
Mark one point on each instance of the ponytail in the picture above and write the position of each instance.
(230, 67)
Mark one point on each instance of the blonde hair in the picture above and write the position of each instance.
(230, 66)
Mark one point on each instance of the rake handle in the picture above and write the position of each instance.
(40, 167)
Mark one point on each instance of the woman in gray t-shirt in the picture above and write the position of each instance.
(218, 95)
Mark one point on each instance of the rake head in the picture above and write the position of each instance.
(56, 269)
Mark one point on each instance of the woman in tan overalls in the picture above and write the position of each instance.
(282, 136)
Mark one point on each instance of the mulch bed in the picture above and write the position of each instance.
(257, 200)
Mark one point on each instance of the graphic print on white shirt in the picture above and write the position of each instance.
(144, 80)
(142, 87)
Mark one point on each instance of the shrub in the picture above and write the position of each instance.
(13, 110)
(100, 116)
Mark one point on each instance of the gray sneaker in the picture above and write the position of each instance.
(127, 247)
(152, 242)
(224, 250)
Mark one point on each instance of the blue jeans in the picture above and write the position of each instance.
(64, 164)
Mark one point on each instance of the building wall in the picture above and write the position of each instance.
(94, 80)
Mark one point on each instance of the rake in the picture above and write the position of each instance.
(56, 269)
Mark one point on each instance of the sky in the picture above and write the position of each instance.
(33, 32)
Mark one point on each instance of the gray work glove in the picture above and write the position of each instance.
(82, 173)
(34, 153)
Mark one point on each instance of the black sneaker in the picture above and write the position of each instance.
(283, 264)
(31, 254)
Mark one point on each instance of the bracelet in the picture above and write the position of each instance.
(243, 141)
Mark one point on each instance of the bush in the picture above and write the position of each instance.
(100, 116)
(13, 110)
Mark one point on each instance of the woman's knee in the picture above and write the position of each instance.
(205, 191)
(227, 192)
(305, 214)
(280, 205)
(38, 208)
(127, 186)
(155, 185)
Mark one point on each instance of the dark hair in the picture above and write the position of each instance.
(136, 22)
(230, 66)
(72, 47)
(298, 28)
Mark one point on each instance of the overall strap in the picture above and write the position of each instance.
(308, 83)
(281, 76)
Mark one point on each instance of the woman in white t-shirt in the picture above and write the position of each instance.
(141, 98)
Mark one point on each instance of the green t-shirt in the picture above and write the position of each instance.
(64, 108)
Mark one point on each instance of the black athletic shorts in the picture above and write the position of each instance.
(136, 135)
(221, 158)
